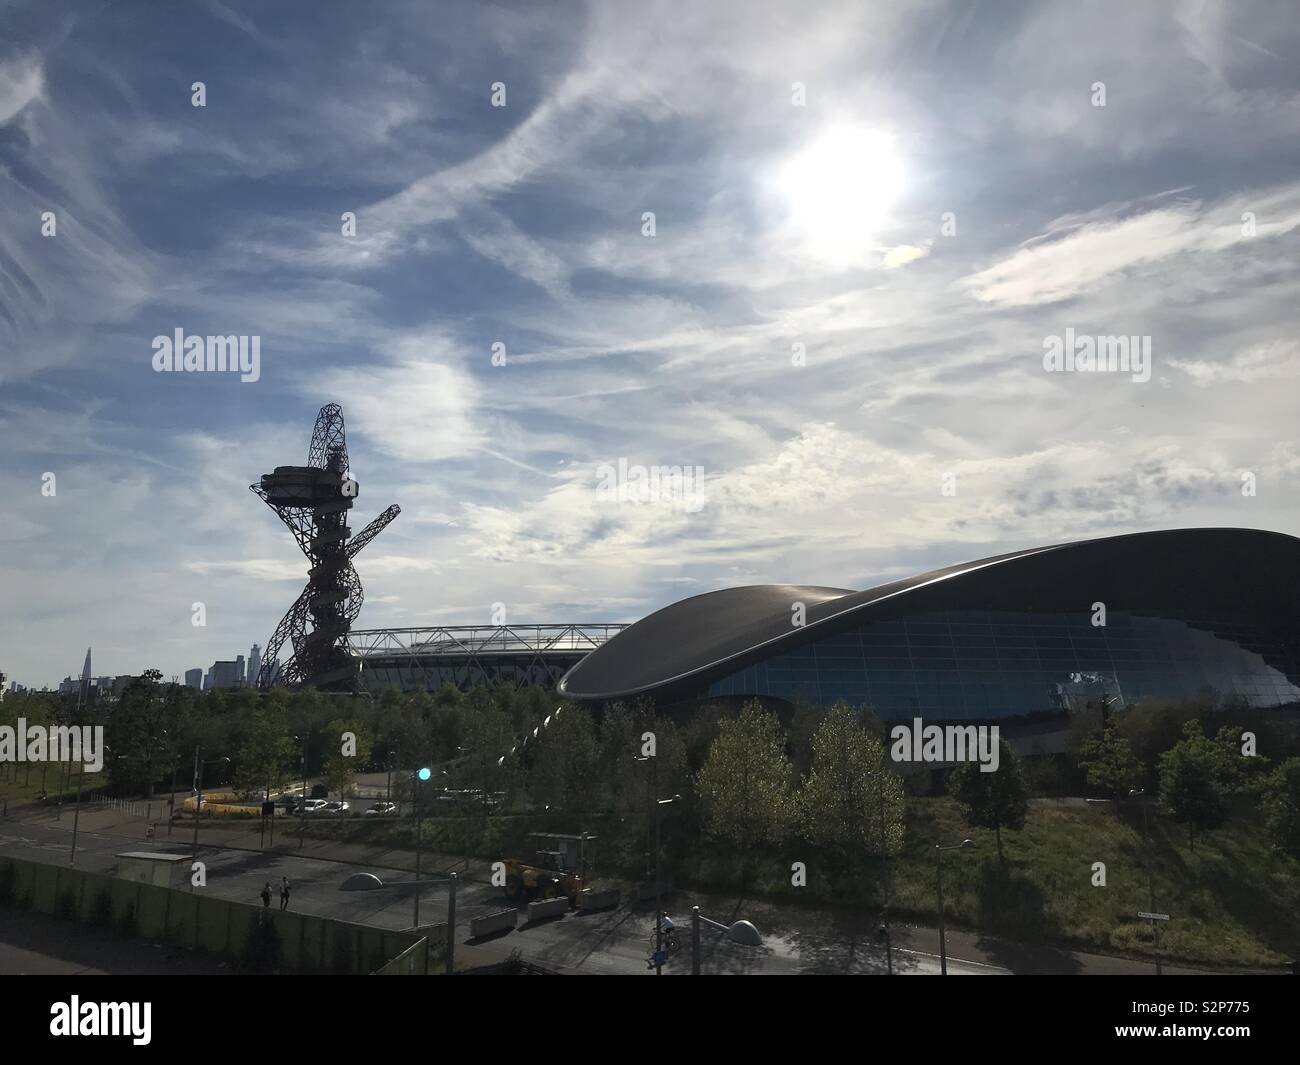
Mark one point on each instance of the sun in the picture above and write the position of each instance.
(839, 190)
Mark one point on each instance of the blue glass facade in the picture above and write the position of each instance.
(987, 664)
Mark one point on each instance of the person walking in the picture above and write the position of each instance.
(284, 892)
(266, 896)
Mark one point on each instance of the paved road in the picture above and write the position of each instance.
(796, 940)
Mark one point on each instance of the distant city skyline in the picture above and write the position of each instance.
(237, 672)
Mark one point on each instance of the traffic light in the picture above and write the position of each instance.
(425, 773)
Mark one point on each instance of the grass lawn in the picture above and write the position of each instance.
(22, 783)
(1233, 900)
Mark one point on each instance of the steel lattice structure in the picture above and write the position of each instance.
(313, 501)
(468, 656)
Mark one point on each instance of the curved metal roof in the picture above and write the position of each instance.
(1216, 572)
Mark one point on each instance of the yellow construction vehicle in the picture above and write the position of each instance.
(562, 867)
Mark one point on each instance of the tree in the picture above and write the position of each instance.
(1153, 725)
(1196, 776)
(995, 800)
(341, 760)
(1241, 772)
(264, 754)
(566, 760)
(1282, 806)
(135, 734)
(1110, 763)
(745, 783)
(489, 738)
(850, 801)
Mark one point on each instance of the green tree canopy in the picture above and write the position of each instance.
(745, 783)
(850, 800)
(342, 756)
(1282, 806)
(995, 800)
(1110, 763)
(265, 754)
(1196, 776)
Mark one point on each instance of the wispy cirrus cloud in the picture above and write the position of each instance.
(1075, 257)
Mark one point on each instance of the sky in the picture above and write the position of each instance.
(815, 255)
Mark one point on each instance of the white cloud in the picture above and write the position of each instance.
(1275, 360)
(419, 410)
(904, 254)
(22, 80)
(1073, 259)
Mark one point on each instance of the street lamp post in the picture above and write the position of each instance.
(199, 766)
(76, 815)
(741, 932)
(416, 777)
(171, 796)
(302, 802)
(653, 804)
(884, 857)
(451, 924)
(965, 844)
(1151, 883)
(659, 882)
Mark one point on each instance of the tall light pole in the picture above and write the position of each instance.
(653, 805)
(76, 815)
(741, 932)
(171, 796)
(199, 766)
(1151, 883)
(302, 802)
(965, 844)
(884, 857)
(451, 924)
(416, 777)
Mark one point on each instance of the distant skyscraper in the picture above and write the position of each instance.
(254, 665)
(194, 678)
(227, 674)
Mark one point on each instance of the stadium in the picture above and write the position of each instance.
(1017, 637)
(473, 656)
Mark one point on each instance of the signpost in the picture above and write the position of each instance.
(1155, 919)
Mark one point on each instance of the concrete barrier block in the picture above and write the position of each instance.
(598, 900)
(544, 908)
(487, 923)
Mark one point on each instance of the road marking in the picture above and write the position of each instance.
(951, 959)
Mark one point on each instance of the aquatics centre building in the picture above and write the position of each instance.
(1173, 614)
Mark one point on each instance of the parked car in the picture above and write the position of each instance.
(310, 807)
(382, 809)
(336, 808)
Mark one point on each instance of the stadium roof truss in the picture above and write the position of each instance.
(467, 655)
